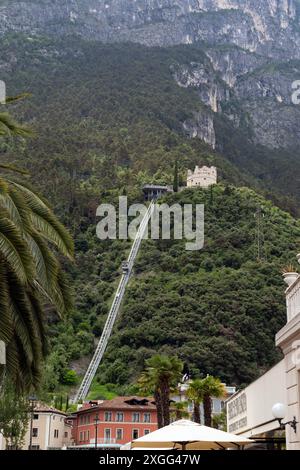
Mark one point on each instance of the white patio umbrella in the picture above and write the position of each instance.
(187, 435)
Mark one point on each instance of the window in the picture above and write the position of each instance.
(108, 416)
(55, 433)
(107, 434)
(35, 447)
(35, 432)
(86, 419)
(66, 434)
(81, 420)
(35, 416)
(147, 417)
(119, 434)
(88, 435)
(135, 434)
(146, 431)
(81, 437)
(136, 417)
(120, 417)
(216, 405)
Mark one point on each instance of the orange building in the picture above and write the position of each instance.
(112, 423)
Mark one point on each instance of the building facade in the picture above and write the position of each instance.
(155, 191)
(48, 429)
(203, 177)
(288, 340)
(249, 411)
(113, 423)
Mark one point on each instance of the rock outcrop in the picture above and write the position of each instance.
(269, 26)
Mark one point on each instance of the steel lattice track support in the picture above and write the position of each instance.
(114, 311)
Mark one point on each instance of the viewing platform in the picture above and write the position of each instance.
(155, 191)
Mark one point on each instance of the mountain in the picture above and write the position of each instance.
(271, 27)
(244, 73)
(199, 82)
(85, 95)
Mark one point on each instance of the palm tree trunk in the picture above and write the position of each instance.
(207, 410)
(165, 400)
(197, 417)
(158, 404)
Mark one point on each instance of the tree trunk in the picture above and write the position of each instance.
(165, 401)
(158, 404)
(207, 410)
(197, 417)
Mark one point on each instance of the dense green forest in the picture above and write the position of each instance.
(218, 308)
(108, 119)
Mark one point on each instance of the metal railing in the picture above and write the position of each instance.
(114, 310)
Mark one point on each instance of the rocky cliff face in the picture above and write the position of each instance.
(239, 37)
(251, 92)
(255, 25)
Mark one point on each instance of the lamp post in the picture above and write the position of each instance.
(32, 401)
(279, 412)
(96, 421)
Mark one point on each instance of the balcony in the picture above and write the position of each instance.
(293, 300)
(104, 441)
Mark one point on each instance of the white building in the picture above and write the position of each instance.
(218, 404)
(249, 412)
(203, 177)
(288, 340)
(48, 428)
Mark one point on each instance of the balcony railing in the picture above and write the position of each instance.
(104, 441)
(293, 300)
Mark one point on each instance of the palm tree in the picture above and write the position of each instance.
(30, 273)
(148, 386)
(180, 410)
(160, 376)
(212, 387)
(195, 394)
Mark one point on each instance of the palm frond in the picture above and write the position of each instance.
(13, 168)
(13, 99)
(46, 223)
(8, 126)
(6, 327)
(15, 251)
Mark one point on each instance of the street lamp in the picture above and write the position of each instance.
(96, 421)
(32, 401)
(279, 412)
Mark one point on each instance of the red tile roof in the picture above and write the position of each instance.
(120, 403)
(42, 408)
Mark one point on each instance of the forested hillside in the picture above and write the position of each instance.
(218, 308)
(107, 119)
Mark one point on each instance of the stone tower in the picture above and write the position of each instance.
(203, 177)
